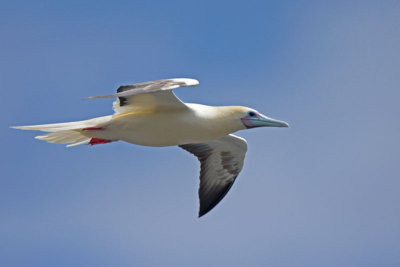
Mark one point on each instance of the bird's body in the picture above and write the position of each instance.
(149, 114)
(168, 127)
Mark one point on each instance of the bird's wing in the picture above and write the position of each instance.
(153, 94)
(221, 161)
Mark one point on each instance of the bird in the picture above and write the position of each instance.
(150, 114)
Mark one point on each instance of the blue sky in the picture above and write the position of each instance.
(325, 192)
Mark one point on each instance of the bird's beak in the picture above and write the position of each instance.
(264, 121)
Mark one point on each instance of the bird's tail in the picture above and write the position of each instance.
(71, 133)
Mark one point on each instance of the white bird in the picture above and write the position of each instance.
(150, 114)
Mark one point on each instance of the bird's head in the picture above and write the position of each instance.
(251, 118)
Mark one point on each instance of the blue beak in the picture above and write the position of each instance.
(263, 121)
(269, 122)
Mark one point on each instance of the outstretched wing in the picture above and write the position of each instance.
(153, 94)
(221, 161)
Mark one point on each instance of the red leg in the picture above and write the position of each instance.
(97, 141)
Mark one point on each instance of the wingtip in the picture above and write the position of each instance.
(100, 96)
(193, 82)
(92, 97)
(202, 213)
(187, 81)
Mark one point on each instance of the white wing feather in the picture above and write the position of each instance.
(149, 95)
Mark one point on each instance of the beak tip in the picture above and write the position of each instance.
(283, 124)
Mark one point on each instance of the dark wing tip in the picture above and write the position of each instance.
(203, 212)
(215, 184)
(208, 202)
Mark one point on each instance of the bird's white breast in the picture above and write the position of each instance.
(197, 123)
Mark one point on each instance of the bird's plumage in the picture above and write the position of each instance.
(155, 94)
(150, 114)
(221, 161)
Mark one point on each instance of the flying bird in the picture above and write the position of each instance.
(150, 114)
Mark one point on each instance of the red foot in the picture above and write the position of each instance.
(96, 141)
(92, 128)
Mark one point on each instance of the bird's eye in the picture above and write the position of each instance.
(252, 114)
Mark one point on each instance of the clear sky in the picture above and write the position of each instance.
(325, 192)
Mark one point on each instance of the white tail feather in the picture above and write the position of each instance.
(66, 132)
(71, 137)
(56, 127)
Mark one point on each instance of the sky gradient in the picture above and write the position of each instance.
(325, 192)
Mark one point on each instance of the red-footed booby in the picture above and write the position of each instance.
(150, 114)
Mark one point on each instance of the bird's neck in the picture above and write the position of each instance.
(222, 118)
